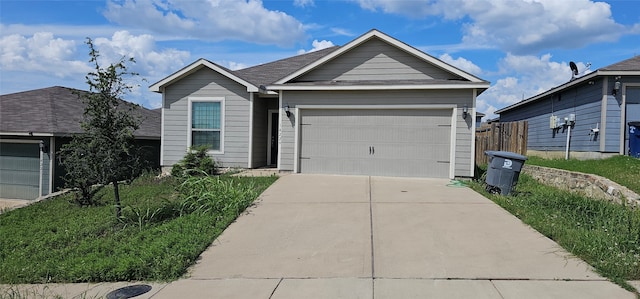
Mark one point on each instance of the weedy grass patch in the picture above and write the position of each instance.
(164, 228)
(606, 235)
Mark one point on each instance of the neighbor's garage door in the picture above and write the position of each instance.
(381, 142)
(19, 170)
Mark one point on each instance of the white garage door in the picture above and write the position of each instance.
(19, 170)
(380, 142)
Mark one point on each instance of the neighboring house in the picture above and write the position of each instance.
(35, 124)
(479, 116)
(375, 106)
(597, 107)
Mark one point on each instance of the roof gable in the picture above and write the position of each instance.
(401, 54)
(375, 59)
(195, 66)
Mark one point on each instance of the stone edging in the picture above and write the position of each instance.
(590, 185)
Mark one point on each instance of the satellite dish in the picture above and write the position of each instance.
(574, 69)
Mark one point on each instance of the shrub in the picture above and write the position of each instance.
(195, 163)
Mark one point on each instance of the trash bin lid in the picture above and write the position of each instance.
(634, 123)
(508, 155)
(490, 153)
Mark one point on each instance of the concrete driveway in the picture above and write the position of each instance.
(313, 236)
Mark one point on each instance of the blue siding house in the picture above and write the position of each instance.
(586, 117)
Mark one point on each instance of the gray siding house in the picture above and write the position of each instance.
(597, 108)
(35, 124)
(375, 106)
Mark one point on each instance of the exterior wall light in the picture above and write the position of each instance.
(465, 111)
(286, 110)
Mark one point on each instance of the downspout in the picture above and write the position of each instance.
(41, 151)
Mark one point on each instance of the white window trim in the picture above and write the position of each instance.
(222, 122)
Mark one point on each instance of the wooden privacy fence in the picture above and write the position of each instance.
(508, 136)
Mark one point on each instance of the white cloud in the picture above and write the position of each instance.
(61, 30)
(522, 77)
(342, 31)
(41, 60)
(518, 26)
(412, 8)
(149, 61)
(317, 45)
(209, 20)
(232, 65)
(462, 63)
(41, 52)
(303, 3)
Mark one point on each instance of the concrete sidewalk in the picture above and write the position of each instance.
(313, 236)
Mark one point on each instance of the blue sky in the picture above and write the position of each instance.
(523, 47)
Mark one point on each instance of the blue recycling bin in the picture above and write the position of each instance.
(503, 171)
(634, 139)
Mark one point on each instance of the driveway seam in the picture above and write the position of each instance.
(274, 289)
(495, 287)
(373, 269)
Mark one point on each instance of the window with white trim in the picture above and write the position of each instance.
(206, 123)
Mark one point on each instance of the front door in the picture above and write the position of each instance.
(272, 150)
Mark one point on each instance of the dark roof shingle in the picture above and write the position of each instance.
(631, 64)
(58, 110)
(271, 72)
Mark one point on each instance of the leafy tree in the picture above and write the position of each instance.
(106, 152)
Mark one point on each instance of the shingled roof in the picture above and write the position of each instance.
(631, 64)
(58, 111)
(268, 73)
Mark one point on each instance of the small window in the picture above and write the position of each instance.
(206, 127)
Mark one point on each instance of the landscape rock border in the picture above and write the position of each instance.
(590, 185)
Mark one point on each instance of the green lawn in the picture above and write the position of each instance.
(163, 231)
(623, 170)
(606, 235)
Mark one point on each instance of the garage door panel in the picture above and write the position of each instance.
(376, 142)
(326, 133)
(417, 168)
(334, 165)
(418, 152)
(19, 170)
(350, 150)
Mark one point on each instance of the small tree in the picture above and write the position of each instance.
(106, 152)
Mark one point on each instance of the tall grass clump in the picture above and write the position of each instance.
(214, 195)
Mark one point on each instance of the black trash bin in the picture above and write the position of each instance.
(503, 171)
(634, 139)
